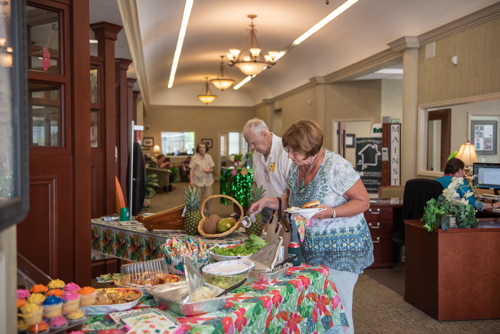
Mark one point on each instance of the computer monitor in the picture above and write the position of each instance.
(487, 175)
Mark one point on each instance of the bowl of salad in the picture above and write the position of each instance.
(227, 273)
(239, 251)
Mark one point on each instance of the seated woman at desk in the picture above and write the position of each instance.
(455, 168)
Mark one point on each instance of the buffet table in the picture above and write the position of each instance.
(305, 301)
(133, 242)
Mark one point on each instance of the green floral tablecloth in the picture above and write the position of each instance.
(136, 243)
(305, 301)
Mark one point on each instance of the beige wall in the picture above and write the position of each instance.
(392, 98)
(8, 280)
(350, 100)
(296, 107)
(204, 121)
(477, 71)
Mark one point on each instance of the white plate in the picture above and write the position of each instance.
(231, 267)
(306, 211)
(106, 309)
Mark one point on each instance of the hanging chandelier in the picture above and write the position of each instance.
(221, 82)
(254, 63)
(206, 95)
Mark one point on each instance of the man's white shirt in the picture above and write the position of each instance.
(277, 166)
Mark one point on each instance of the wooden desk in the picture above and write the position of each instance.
(380, 219)
(453, 275)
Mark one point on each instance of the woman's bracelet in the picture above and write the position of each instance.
(334, 213)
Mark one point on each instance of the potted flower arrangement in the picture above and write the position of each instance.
(449, 207)
(236, 158)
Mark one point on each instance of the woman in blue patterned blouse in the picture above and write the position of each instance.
(338, 237)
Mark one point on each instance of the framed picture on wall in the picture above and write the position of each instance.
(484, 136)
(350, 141)
(148, 142)
(207, 142)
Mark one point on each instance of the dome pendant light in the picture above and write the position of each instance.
(206, 95)
(254, 63)
(221, 82)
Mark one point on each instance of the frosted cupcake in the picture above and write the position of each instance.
(22, 293)
(52, 307)
(74, 316)
(71, 301)
(72, 287)
(58, 323)
(55, 292)
(87, 296)
(21, 326)
(39, 288)
(56, 284)
(36, 298)
(32, 313)
(20, 303)
(40, 328)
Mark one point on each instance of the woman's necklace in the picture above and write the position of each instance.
(312, 164)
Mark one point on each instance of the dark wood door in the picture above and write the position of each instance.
(444, 118)
(52, 235)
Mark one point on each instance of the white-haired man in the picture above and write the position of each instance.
(270, 161)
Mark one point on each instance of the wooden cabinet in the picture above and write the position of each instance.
(379, 218)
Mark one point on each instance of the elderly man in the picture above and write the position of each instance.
(270, 161)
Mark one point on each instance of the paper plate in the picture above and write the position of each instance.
(306, 211)
(231, 267)
(105, 309)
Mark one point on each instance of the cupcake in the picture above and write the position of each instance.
(74, 316)
(21, 303)
(52, 307)
(39, 288)
(21, 326)
(40, 328)
(72, 287)
(22, 293)
(87, 296)
(58, 323)
(36, 298)
(55, 292)
(71, 301)
(32, 313)
(56, 284)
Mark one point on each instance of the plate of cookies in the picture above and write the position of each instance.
(110, 300)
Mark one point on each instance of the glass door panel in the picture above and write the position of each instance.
(45, 114)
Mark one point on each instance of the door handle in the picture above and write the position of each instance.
(376, 241)
(373, 212)
(378, 225)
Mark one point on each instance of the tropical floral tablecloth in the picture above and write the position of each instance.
(305, 301)
(136, 243)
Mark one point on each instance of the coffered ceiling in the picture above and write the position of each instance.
(215, 26)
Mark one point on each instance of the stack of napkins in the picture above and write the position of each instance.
(156, 325)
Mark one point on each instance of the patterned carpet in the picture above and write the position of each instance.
(377, 309)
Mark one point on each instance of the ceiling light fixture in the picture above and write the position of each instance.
(180, 41)
(342, 8)
(390, 71)
(206, 95)
(221, 82)
(254, 63)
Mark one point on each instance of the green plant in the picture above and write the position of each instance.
(151, 184)
(449, 203)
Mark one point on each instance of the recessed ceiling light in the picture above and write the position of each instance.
(180, 41)
(390, 71)
(342, 8)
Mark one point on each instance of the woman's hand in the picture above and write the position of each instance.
(191, 184)
(257, 206)
(328, 213)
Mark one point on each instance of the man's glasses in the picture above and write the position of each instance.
(288, 150)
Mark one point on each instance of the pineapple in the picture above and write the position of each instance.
(256, 228)
(192, 196)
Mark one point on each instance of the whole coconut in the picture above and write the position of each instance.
(210, 225)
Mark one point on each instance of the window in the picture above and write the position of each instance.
(177, 143)
(45, 114)
(43, 30)
(237, 143)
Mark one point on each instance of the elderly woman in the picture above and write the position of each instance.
(455, 168)
(338, 237)
(201, 172)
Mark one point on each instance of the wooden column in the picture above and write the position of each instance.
(81, 139)
(106, 34)
(132, 105)
(122, 120)
(135, 94)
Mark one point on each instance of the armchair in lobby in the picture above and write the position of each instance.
(162, 174)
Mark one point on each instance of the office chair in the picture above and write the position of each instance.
(416, 194)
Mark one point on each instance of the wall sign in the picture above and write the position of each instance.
(395, 154)
(369, 162)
